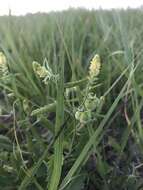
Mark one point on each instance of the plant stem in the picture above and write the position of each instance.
(76, 83)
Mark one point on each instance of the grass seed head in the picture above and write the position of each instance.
(44, 72)
(3, 65)
(39, 70)
(95, 65)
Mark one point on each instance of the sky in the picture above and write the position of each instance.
(21, 7)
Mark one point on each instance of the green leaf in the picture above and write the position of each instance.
(5, 143)
(77, 183)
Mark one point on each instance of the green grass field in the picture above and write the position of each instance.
(60, 128)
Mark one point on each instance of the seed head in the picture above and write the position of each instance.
(2, 59)
(3, 65)
(39, 70)
(95, 66)
(45, 72)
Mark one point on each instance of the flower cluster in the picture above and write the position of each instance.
(41, 71)
(83, 116)
(91, 101)
(95, 66)
(44, 72)
(3, 65)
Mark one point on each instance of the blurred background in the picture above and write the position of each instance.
(25, 6)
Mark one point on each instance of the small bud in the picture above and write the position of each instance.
(10, 95)
(92, 102)
(84, 116)
(78, 114)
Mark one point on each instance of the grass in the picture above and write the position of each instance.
(42, 144)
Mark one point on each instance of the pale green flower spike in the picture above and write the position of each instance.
(91, 101)
(95, 65)
(39, 70)
(44, 72)
(2, 59)
(3, 65)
